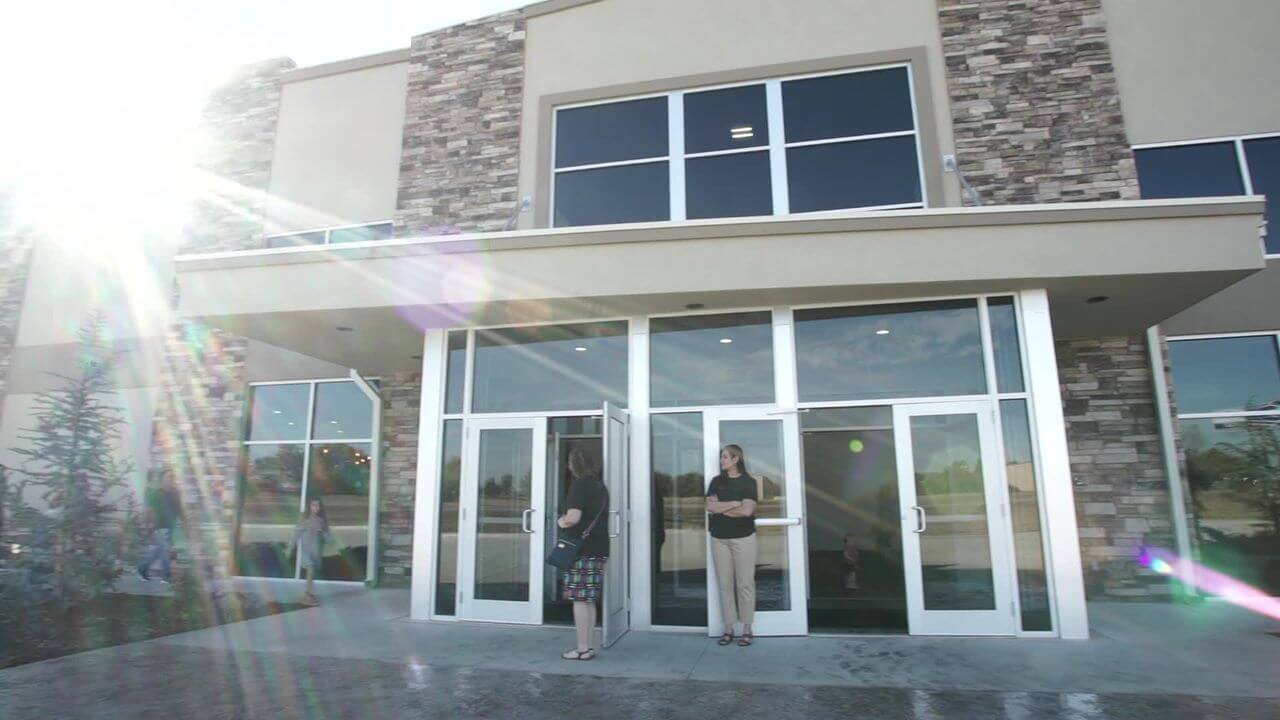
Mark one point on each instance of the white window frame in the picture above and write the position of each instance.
(775, 144)
(328, 232)
(1242, 162)
(1066, 612)
(307, 442)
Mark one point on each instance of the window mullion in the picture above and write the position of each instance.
(1244, 167)
(777, 148)
(675, 153)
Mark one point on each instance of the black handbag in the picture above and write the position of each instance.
(567, 549)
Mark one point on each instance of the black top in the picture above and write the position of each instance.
(730, 489)
(165, 507)
(588, 495)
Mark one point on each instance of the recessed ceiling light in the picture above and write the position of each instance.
(882, 331)
(580, 348)
(415, 357)
(694, 306)
(1098, 299)
(344, 328)
(725, 341)
(741, 133)
(333, 422)
(276, 412)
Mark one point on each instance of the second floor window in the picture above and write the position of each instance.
(1232, 166)
(796, 145)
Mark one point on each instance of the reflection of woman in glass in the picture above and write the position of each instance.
(308, 539)
(731, 506)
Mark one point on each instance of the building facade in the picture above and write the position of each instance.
(982, 289)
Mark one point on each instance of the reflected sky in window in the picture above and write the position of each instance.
(550, 367)
(711, 360)
(887, 351)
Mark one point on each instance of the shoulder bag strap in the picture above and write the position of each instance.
(587, 533)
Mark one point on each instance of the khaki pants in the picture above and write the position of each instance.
(735, 561)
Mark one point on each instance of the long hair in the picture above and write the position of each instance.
(306, 511)
(580, 464)
(742, 459)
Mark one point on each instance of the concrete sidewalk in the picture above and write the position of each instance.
(358, 655)
(1207, 649)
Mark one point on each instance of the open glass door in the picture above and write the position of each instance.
(771, 446)
(503, 501)
(616, 469)
(954, 542)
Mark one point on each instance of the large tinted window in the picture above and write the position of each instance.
(609, 133)
(728, 185)
(678, 520)
(1263, 158)
(888, 351)
(1226, 374)
(615, 194)
(862, 103)
(550, 367)
(711, 360)
(1200, 170)
(861, 173)
(279, 412)
(725, 119)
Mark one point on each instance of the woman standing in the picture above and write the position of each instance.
(731, 506)
(308, 539)
(585, 507)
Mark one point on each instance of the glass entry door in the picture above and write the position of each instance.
(503, 502)
(955, 535)
(771, 447)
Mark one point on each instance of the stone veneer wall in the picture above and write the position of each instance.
(1036, 115)
(200, 415)
(1034, 103)
(401, 395)
(460, 154)
(1117, 464)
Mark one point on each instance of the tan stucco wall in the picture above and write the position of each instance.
(337, 149)
(619, 42)
(1250, 305)
(1195, 69)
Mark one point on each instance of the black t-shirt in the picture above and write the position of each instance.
(727, 489)
(588, 495)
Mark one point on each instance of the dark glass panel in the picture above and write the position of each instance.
(613, 195)
(447, 536)
(551, 367)
(343, 412)
(833, 106)
(339, 476)
(455, 372)
(270, 506)
(862, 173)
(1004, 341)
(728, 186)
(711, 360)
(502, 569)
(564, 434)
(279, 412)
(1233, 468)
(853, 521)
(1200, 170)
(628, 130)
(725, 119)
(1024, 499)
(1224, 374)
(678, 521)
(1263, 158)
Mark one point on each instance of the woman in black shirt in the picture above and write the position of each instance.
(731, 508)
(585, 507)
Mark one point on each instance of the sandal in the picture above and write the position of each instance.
(575, 655)
(746, 639)
(725, 639)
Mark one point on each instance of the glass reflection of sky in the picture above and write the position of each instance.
(887, 351)
(1239, 373)
(543, 367)
(691, 364)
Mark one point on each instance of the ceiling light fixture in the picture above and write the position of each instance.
(580, 348)
(725, 341)
(882, 331)
(742, 132)
(694, 306)
(344, 328)
(1098, 299)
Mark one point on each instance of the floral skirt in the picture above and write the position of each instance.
(585, 579)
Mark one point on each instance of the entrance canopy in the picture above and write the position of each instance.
(1109, 268)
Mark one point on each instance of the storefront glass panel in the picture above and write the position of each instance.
(679, 521)
(711, 360)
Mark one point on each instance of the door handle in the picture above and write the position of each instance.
(922, 521)
(524, 520)
(615, 515)
(777, 522)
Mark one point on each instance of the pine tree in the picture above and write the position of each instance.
(70, 461)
